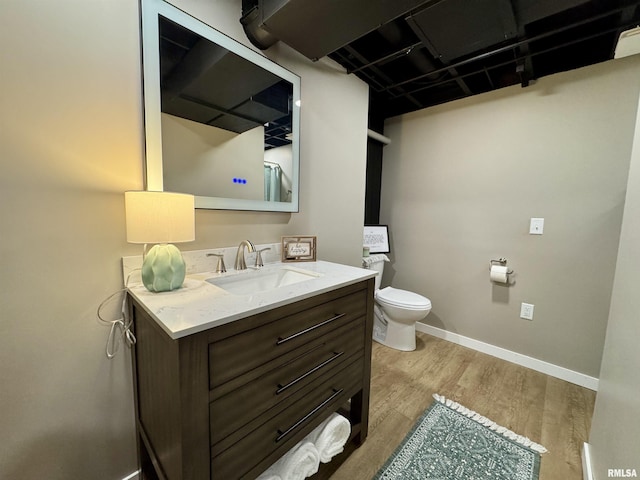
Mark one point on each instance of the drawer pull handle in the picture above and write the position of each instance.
(282, 388)
(282, 434)
(310, 329)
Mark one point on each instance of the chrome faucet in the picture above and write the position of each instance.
(240, 262)
(259, 261)
(220, 268)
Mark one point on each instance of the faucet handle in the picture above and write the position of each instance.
(220, 268)
(259, 262)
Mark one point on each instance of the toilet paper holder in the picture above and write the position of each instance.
(502, 262)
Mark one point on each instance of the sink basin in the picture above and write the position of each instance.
(263, 280)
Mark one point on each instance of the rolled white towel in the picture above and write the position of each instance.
(377, 257)
(331, 436)
(300, 462)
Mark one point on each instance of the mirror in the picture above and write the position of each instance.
(221, 121)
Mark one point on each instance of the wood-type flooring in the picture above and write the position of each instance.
(549, 411)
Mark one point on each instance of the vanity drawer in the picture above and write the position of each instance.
(285, 376)
(283, 430)
(237, 354)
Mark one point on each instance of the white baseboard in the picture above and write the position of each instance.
(539, 365)
(132, 476)
(587, 470)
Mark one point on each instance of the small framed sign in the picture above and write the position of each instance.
(299, 249)
(376, 237)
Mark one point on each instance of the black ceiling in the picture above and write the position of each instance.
(416, 53)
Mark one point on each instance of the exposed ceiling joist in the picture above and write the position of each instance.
(419, 53)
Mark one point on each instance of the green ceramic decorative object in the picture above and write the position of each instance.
(163, 268)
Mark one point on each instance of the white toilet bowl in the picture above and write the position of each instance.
(394, 323)
(396, 311)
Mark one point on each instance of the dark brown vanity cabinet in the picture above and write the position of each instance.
(227, 402)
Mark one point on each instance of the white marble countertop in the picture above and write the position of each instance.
(199, 305)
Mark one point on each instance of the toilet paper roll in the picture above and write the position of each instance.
(499, 274)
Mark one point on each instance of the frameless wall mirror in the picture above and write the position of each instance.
(221, 121)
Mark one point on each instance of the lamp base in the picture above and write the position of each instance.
(163, 268)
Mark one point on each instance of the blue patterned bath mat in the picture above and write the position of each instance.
(451, 442)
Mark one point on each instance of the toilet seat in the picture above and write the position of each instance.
(402, 299)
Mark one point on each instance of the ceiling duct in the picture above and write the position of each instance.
(251, 21)
(628, 43)
(316, 29)
(419, 53)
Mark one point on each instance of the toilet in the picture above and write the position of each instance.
(395, 311)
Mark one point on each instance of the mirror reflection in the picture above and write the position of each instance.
(227, 117)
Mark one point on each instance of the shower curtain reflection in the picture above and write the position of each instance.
(272, 182)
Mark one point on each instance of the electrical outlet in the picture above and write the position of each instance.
(536, 227)
(526, 311)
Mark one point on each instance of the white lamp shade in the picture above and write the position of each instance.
(159, 217)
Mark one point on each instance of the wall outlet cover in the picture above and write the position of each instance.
(536, 227)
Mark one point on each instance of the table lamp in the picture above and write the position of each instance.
(161, 218)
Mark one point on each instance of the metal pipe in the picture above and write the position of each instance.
(530, 55)
(378, 136)
(506, 48)
(398, 53)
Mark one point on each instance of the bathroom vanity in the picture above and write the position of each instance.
(226, 383)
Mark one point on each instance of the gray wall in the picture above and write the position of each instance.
(615, 429)
(71, 143)
(461, 182)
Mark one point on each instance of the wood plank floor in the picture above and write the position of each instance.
(549, 411)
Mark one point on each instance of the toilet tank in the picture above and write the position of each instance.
(376, 263)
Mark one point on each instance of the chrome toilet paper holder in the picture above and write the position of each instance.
(501, 261)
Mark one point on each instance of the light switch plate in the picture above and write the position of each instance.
(526, 311)
(536, 227)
